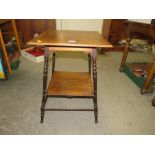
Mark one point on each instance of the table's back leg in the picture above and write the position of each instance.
(95, 86)
(89, 63)
(53, 62)
(45, 72)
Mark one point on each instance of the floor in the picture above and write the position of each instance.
(122, 109)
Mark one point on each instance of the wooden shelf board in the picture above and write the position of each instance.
(70, 84)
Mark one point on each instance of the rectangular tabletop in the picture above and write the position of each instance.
(68, 38)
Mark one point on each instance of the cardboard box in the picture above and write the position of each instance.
(34, 54)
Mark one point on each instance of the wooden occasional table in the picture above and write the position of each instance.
(70, 84)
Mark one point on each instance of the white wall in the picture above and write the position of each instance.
(80, 24)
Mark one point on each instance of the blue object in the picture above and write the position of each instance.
(3, 71)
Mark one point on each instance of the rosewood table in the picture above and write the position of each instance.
(70, 84)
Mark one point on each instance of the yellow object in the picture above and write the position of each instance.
(2, 75)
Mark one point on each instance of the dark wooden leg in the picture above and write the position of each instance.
(95, 88)
(153, 102)
(89, 63)
(45, 72)
(149, 78)
(125, 53)
(53, 63)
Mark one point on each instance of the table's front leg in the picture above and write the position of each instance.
(45, 73)
(94, 53)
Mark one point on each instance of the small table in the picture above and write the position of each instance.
(70, 84)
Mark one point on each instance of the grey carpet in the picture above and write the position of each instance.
(122, 109)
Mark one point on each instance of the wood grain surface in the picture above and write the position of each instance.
(70, 84)
(71, 39)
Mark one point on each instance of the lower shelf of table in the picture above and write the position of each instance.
(76, 84)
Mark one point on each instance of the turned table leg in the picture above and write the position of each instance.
(53, 62)
(149, 78)
(45, 72)
(89, 63)
(95, 86)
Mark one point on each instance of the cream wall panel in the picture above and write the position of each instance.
(80, 24)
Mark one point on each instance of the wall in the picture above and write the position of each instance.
(80, 24)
